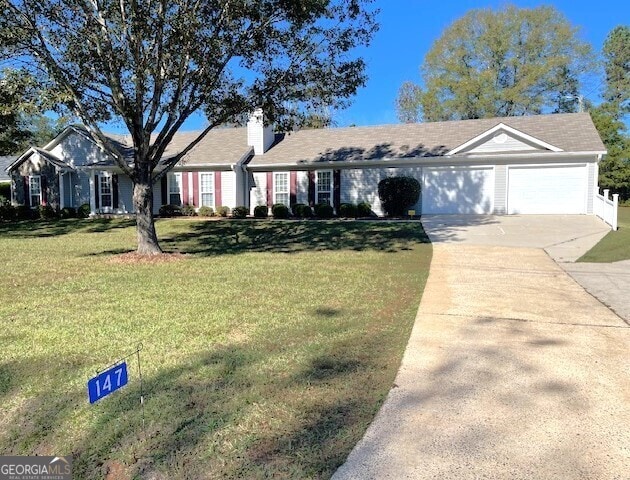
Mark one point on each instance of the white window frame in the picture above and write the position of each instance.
(277, 192)
(329, 192)
(30, 190)
(211, 191)
(169, 191)
(107, 178)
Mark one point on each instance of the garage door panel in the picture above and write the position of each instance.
(458, 190)
(547, 190)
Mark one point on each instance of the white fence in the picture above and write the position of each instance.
(606, 208)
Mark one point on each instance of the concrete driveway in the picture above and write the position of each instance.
(512, 371)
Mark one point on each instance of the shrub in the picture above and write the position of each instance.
(364, 209)
(84, 211)
(7, 212)
(280, 210)
(24, 213)
(5, 190)
(348, 210)
(46, 212)
(397, 194)
(223, 211)
(239, 212)
(261, 211)
(170, 211)
(68, 212)
(206, 212)
(301, 210)
(188, 211)
(323, 210)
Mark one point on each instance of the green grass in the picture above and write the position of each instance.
(615, 246)
(266, 351)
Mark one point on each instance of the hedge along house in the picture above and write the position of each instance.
(528, 165)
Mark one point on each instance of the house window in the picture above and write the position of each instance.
(105, 190)
(175, 189)
(324, 187)
(206, 184)
(281, 188)
(35, 190)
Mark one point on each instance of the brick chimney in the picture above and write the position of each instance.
(259, 136)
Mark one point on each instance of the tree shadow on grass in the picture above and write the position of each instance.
(233, 237)
(54, 228)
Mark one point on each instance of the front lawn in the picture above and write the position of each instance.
(267, 349)
(615, 246)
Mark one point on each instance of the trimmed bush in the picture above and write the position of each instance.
(261, 211)
(46, 212)
(280, 210)
(5, 190)
(188, 211)
(323, 210)
(348, 210)
(68, 212)
(301, 210)
(84, 211)
(7, 212)
(398, 194)
(23, 212)
(239, 212)
(364, 209)
(223, 211)
(206, 212)
(170, 211)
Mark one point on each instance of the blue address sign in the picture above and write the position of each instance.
(107, 382)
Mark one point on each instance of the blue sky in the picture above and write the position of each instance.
(408, 29)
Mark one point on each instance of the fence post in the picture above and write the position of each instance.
(614, 211)
(606, 192)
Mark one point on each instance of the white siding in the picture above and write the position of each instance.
(502, 142)
(258, 191)
(228, 189)
(361, 185)
(125, 194)
(77, 150)
(157, 197)
(302, 188)
(592, 186)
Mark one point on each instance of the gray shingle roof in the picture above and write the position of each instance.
(221, 146)
(4, 164)
(573, 132)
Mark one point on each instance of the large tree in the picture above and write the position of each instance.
(499, 63)
(610, 114)
(151, 64)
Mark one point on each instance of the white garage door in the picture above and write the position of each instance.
(458, 190)
(555, 190)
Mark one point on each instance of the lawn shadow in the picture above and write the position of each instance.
(234, 237)
(54, 228)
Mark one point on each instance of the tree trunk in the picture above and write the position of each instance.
(145, 226)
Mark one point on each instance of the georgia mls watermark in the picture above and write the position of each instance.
(35, 468)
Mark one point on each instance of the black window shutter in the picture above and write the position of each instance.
(311, 188)
(27, 193)
(337, 189)
(115, 190)
(97, 193)
(44, 185)
(164, 188)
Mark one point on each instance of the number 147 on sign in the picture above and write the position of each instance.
(107, 382)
